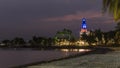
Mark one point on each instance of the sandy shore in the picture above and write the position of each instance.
(108, 60)
(100, 59)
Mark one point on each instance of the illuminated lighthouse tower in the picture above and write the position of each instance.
(83, 27)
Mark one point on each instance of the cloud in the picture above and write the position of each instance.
(76, 16)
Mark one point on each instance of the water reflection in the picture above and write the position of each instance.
(11, 57)
(75, 50)
(68, 52)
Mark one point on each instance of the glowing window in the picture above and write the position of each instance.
(84, 26)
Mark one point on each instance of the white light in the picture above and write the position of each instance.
(83, 19)
(84, 26)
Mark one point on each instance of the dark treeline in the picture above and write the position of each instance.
(103, 38)
(34, 42)
(96, 37)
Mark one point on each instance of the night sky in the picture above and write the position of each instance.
(26, 18)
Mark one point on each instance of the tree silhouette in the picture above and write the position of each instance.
(7, 43)
(98, 35)
(113, 7)
(89, 38)
(117, 37)
(65, 34)
(18, 41)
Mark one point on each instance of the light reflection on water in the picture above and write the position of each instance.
(11, 57)
(75, 50)
(69, 52)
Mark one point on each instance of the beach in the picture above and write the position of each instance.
(107, 60)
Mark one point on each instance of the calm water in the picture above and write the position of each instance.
(9, 58)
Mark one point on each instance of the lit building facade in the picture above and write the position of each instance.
(83, 30)
(84, 27)
(79, 42)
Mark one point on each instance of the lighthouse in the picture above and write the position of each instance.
(83, 27)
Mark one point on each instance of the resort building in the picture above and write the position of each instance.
(83, 30)
(63, 36)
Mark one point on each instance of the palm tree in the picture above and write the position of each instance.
(113, 7)
(98, 35)
(117, 37)
(106, 38)
(89, 38)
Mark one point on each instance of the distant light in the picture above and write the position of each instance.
(75, 50)
(84, 26)
(83, 19)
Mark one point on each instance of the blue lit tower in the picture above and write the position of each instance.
(83, 27)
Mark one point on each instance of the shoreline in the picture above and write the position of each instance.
(41, 62)
(94, 51)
